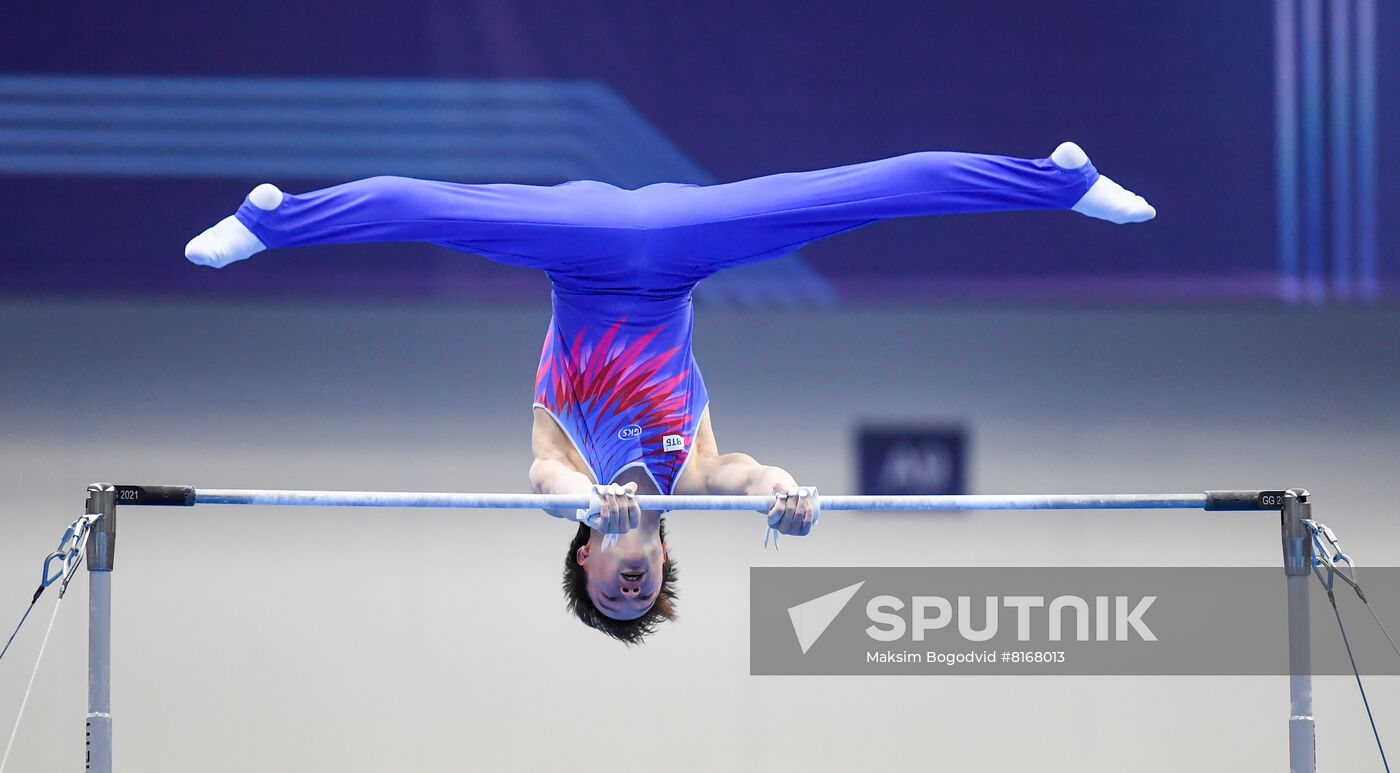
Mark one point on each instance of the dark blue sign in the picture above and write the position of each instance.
(912, 460)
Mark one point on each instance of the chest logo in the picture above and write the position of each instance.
(630, 432)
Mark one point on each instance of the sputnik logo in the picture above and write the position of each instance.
(810, 619)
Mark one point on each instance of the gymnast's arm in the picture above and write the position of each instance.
(557, 470)
(707, 471)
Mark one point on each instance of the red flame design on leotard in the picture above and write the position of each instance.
(596, 388)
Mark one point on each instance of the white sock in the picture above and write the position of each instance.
(229, 241)
(1105, 199)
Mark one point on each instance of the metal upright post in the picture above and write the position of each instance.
(101, 554)
(1297, 566)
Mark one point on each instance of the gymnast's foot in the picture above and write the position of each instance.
(1105, 199)
(229, 241)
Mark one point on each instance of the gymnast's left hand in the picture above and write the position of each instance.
(796, 509)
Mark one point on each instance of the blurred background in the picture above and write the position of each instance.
(1246, 338)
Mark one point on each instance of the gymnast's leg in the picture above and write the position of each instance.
(526, 225)
(713, 227)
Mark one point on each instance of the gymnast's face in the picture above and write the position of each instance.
(625, 578)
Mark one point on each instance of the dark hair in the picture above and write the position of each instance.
(625, 631)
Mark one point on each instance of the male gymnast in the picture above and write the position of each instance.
(620, 406)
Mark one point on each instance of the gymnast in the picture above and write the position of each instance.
(620, 406)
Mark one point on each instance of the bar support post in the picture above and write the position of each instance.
(101, 555)
(1297, 568)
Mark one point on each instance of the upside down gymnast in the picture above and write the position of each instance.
(620, 406)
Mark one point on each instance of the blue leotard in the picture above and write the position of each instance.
(617, 371)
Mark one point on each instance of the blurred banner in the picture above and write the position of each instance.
(120, 147)
(912, 460)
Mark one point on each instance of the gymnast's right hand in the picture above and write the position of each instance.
(612, 508)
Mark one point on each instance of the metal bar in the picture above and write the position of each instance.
(1297, 568)
(101, 555)
(654, 502)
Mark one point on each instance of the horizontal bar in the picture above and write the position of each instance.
(166, 496)
(655, 502)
